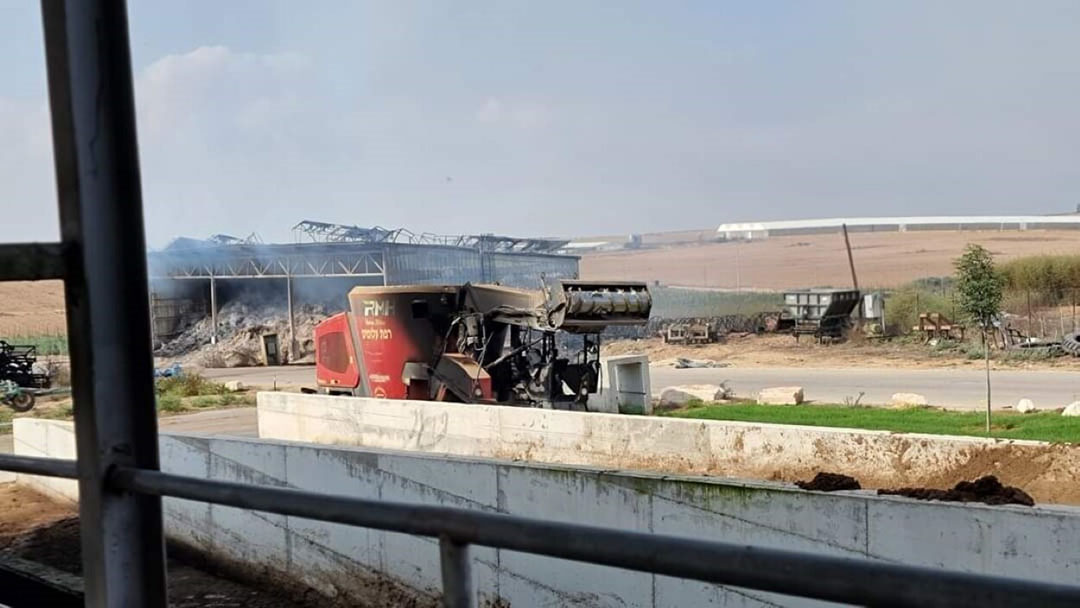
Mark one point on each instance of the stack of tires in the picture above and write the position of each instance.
(1071, 344)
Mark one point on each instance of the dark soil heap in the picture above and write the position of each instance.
(830, 482)
(984, 489)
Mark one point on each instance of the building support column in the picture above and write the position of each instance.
(213, 310)
(292, 319)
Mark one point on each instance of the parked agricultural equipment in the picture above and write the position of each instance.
(475, 343)
(16, 397)
(822, 313)
(690, 333)
(17, 364)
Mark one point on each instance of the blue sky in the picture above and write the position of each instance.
(571, 118)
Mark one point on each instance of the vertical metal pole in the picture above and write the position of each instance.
(213, 310)
(456, 574)
(292, 319)
(1031, 324)
(101, 225)
(986, 354)
(738, 269)
(153, 327)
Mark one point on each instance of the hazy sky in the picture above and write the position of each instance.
(570, 118)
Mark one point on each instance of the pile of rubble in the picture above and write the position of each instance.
(241, 326)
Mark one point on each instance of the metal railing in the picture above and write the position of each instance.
(102, 261)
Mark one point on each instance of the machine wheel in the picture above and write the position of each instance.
(1071, 344)
(23, 402)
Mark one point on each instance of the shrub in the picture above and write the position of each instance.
(903, 306)
(205, 401)
(170, 403)
(1048, 273)
(188, 385)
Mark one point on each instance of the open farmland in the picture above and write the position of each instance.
(32, 308)
(882, 259)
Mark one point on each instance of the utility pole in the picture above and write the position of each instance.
(738, 271)
(851, 264)
(850, 259)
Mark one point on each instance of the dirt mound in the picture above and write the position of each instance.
(35, 528)
(51, 544)
(984, 489)
(830, 482)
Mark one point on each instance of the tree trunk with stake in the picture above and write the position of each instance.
(986, 349)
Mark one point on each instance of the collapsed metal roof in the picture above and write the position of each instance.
(324, 232)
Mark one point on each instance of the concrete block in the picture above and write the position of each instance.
(49, 439)
(1073, 409)
(461, 483)
(234, 385)
(1025, 406)
(631, 386)
(31, 437)
(679, 396)
(592, 500)
(647, 443)
(1014, 541)
(781, 395)
(908, 399)
(258, 538)
(334, 558)
(190, 519)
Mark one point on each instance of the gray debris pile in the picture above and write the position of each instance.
(241, 325)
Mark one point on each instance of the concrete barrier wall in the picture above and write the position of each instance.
(879, 459)
(380, 568)
(53, 439)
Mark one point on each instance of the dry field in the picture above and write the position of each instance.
(882, 259)
(32, 308)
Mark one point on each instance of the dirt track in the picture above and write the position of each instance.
(882, 259)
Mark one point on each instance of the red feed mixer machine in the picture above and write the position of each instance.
(475, 343)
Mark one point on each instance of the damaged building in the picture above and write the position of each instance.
(207, 291)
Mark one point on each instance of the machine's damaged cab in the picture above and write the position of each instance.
(475, 343)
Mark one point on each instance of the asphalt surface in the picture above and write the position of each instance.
(952, 388)
(962, 389)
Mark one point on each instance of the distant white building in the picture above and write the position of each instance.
(757, 230)
(574, 248)
(749, 232)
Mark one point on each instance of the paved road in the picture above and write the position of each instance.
(954, 388)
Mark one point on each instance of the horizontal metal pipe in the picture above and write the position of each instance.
(31, 261)
(49, 467)
(230, 277)
(837, 579)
